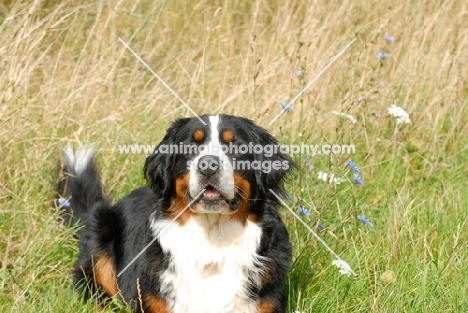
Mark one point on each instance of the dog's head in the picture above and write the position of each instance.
(222, 167)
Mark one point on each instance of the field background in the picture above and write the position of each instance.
(65, 77)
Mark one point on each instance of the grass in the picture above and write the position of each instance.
(65, 77)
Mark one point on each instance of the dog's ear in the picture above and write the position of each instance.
(158, 168)
(157, 171)
(275, 164)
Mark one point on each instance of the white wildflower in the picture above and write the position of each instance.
(332, 179)
(401, 116)
(344, 267)
(353, 120)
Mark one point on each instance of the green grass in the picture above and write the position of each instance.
(65, 77)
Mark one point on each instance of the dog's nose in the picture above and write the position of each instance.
(208, 165)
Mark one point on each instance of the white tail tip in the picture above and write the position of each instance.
(78, 160)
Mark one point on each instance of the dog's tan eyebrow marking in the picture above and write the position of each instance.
(198, 135)
(228, 136)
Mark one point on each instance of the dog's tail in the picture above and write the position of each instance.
(79, 187)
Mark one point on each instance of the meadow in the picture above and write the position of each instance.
(400, 223)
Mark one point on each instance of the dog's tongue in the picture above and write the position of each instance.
(211, 193)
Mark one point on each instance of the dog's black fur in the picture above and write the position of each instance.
(112, 235)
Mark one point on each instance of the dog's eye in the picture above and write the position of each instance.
(228, 136)
(198, 135)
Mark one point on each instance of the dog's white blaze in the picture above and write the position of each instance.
(212, 258)
(214, 122)
(226, 172)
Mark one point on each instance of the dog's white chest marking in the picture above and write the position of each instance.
(212, 260)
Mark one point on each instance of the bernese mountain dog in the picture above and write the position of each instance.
(202, 236)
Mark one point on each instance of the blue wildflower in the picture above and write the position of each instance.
(64, 202)
(308, 164)
(283, 195)
(360, 99)
(364, 220)
(303, 211)
(377, 114)
(389, 38)
(358, 179)
(382, 55)
(352, 166)
(286, 107)
(298, 73)
(321, 226)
